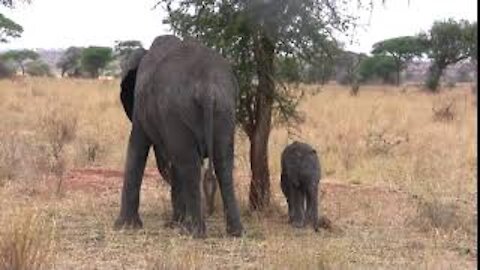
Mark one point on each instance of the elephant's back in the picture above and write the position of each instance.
(188, 74)
(175, 89)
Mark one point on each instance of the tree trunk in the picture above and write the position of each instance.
(434, 75)
(398, 77)
(398, 69)
(259, 196)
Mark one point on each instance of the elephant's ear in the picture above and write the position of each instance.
(129, 77)
(127, 92)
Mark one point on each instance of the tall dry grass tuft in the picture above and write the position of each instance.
(10, 157)
(26, 243)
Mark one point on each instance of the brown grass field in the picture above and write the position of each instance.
(398, 183)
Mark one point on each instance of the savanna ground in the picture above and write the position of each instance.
(399, 184)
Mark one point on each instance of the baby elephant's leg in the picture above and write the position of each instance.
(298, 205)
(286, 189)
(312, 206)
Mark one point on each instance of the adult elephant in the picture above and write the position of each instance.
(129, 67)
(185, 107)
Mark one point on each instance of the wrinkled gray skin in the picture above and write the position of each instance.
(129, 69)
(185, 107)
(299, 182)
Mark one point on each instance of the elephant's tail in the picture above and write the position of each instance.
(208, 129)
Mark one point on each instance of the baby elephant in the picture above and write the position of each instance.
(299, 181)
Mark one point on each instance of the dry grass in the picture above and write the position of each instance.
(399, 186)
(26, 242)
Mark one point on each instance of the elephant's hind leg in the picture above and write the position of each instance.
(312, 206)
(298, 203)
(190, 177)
(137, 153)
(177, 198)
(223, 162)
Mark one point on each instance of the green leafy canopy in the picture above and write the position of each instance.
(95, 58)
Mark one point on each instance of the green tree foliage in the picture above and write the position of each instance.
(9, 29)
(6, 70)
(252, 35)
(94, 59)
(125, 47)
(20, 57)
(38, 68)
(346, 67)
(70, 62)
(402, 50)
(11, 3)
(449, 42)
(383, 67)
(322, 68)
(288, 69)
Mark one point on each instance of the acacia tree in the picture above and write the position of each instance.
(125, 47)
(449, 42)
(252, 34)
(38, 68)
(95, 59)
(9, 29)
(402, 50)
(11, 3)
(20, 57)
(381, 66)
(70, 62)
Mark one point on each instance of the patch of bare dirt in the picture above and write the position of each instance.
(99, 180)
(355, 205)
(366, 205)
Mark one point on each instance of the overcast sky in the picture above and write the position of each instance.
(63, 23)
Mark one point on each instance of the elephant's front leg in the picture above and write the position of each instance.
(137, 153)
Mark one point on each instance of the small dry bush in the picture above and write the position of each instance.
(20, 159)
(10, 157)
(90, 150)
(444, 108)
(354, 89)
(445, 112)
(59, 128)
(437, 214)
(380, 142)
(26, 243)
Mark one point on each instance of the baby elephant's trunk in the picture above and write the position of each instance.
(209, 188)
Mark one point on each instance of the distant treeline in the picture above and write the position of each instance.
(447, 43)
(79, 62)
(391, 61)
